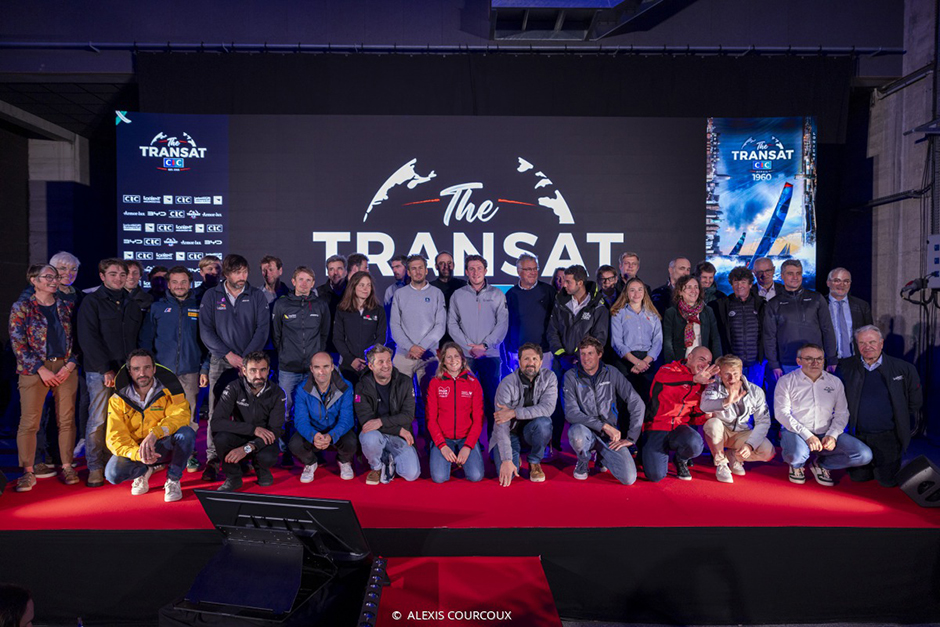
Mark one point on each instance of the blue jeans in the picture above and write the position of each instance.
(684, 440)
(620, 462)
(440, 467)
(848, 453)
(173, 450)
(537, 433)
(379, 448)
(96, 451)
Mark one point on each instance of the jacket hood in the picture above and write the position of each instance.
(161, 373)
(336, 380)
(593, 292)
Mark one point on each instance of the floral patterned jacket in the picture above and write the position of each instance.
(28, 331)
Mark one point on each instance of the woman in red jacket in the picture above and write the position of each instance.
(455, 417)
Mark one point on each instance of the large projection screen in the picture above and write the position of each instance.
(570, 190)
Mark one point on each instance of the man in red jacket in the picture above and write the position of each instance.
(674, 399)
(455, 417)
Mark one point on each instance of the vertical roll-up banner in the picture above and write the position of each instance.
(760, 193)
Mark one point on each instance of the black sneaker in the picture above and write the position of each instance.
(211, 473)
(265, 478)
(682, 470)
(230, 485)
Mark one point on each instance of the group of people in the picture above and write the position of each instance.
(639, 376)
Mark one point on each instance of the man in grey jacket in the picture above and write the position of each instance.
(478, 321)
(418, 321)
(732, 400)
(525, 401)
(591, 393)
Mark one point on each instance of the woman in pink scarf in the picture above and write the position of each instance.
(689, 323)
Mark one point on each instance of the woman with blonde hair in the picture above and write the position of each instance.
(636, 333)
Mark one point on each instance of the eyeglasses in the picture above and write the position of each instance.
(608, 279)
(49, 277)
(841, 281)
(812, 360)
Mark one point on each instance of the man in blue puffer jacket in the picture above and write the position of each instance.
(171, 332)
(323, 417)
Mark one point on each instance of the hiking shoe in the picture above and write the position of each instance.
(723, 474)
(797, 475)
(95, 479)
(682, 470)
(822, 475)
(307, 475)
(581, 470)
(44, 471)
(192, 464)
(346, 471)
(142, 483)
(172, 491)
(211, 471)
(230, 485)
(374, 477)
(737, 468)
(536, 474)
(69, 476)
(26, 482)
(265, 478)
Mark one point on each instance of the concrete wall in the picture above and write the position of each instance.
(899, 230)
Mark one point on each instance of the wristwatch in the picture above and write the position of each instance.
(248, 449)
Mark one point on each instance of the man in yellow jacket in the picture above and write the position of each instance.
(148, 424)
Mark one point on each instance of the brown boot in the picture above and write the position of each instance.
(95, 479)
(536, 474)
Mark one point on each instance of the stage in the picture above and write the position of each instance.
(674, 552)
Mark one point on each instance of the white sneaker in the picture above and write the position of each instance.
(723, 474)
(346, 471)
(737, 468)
(307, 475)
(172, 491)
(142, 483)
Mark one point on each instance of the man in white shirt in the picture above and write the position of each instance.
(811, 407)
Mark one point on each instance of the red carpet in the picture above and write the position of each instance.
(448, 590)
(762, 498)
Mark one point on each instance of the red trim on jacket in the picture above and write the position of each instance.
(455, 409)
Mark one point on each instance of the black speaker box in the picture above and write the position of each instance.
(920, 480)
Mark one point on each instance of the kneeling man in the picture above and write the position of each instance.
(732, 401)
(385, 407)
(591, 393)
(323, 417)
(810, 404)
(525, 401)
(247, 422)
(148, 424)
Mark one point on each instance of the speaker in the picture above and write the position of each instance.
(920, 480)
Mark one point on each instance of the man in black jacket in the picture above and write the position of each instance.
(884, 394)
(740, 318)
(385, 407)
(662, 295)
(108, 324)
(247, 421)
(793, 318)
(579, 312)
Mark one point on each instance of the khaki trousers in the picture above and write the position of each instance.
(719, 437)
(32, 396)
